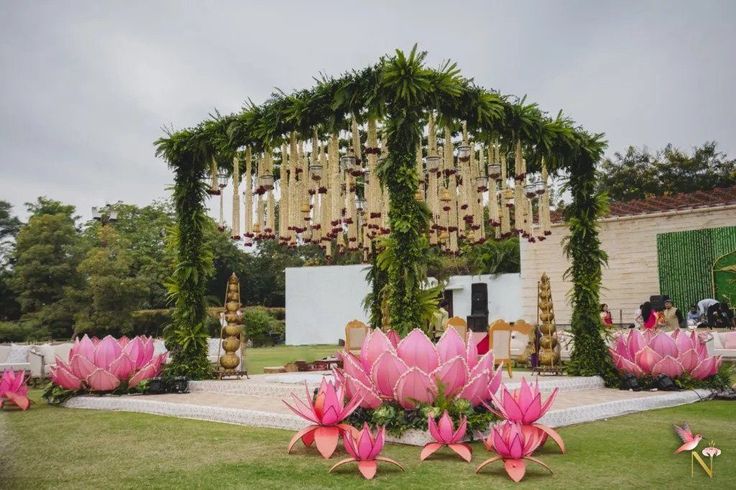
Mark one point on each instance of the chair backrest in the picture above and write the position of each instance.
(458, 324)
(522, 326)
(499, 340)
(355, 333)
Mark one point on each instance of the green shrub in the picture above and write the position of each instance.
(261, 327)
(151, 322)
(25, 331)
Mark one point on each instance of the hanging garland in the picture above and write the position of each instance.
(402, 93)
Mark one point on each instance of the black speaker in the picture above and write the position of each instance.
(477, 323)
(479, 299)
(658, 301)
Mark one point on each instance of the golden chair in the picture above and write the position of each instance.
(355, 333)
(499, 342)
(458, 324)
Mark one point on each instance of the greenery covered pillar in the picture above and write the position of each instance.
(583, 247)
(406, 84)
(186, 337)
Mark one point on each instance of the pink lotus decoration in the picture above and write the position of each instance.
(326, 414)
(102, 365)
(412, 371)
(364, 449)
(513, 443)
(13, 389)
(524, 406)
(655, 353)
(445, 434)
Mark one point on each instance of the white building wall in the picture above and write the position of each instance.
(321, 300)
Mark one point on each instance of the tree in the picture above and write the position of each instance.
(638, 173)
(46, 256)
(112, 290)
(9, 226)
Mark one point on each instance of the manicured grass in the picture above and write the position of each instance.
(259, 357)
(49, 447)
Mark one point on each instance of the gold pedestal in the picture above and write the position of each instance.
(548, 356)
(232, 332)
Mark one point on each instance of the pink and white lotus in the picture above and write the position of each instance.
(444, 434)
(364, 449)
(326, 413)
(655, 353)
(524, 406)
(413, 371)
(102, 365)
(513, 443)
(13, 389)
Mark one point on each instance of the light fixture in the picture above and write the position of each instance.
(315, 171)
(222, 179)
(433, 163)
(347, 162)
(481, 184)
(266, 181)
(359, 203)
(96, 214)
(494, 171)
(445, 196)
(463, 152)
(540, 187)
(530, 190)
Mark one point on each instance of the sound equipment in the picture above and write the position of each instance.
(477, 323)
(479, 299)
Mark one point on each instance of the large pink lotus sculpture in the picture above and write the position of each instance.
(103, 365)
(414, 371)
(445, 434)
(513, 443)
(655, 353)
(524, 406)
(364, 449)
(13, 389)
(326, 413)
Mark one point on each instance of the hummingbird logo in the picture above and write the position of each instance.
(689, 440)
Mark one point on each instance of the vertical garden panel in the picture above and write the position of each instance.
(685, 261)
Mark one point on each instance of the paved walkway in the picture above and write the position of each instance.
(258, 401)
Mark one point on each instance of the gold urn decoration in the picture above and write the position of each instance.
(549, 350)
(233, 328)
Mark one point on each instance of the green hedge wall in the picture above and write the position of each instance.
(685, 261)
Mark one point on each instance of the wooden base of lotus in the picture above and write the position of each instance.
(515, 468)
(323, 436)
(461, 449)
(367, 468)
(549, 431)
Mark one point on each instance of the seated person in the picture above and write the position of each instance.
(693, 315)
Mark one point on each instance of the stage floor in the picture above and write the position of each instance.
(257, 401)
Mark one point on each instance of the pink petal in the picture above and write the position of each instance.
(148, 371)
(133, 350)
(664, 345)
(547, 404)
(352, 366)
(669, 366)
(446, 428)
(146, 352)
(414, 386)
(370, 399)
(107, 351)
(688, 359)
(707, 368)
(393, 337)
(375, 344)
(684, 343)
(378, 443)
(386, 372)
(450, 345)
(102, 380)
(365, 444)
(635, 343)
(476, 389)
(495, 381)
(434, 431)
(350, 445)
(416, 350)
(85, 348)
(64, 378)
(647, 358)
(462, 428)
(122, 367)
(452, 375)
(82, 367)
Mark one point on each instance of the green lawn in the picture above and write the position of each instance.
(50, 447)
(259, 357)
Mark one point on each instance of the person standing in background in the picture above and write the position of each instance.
(672, 316)
(606, 317)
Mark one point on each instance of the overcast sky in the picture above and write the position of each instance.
(86, 86)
